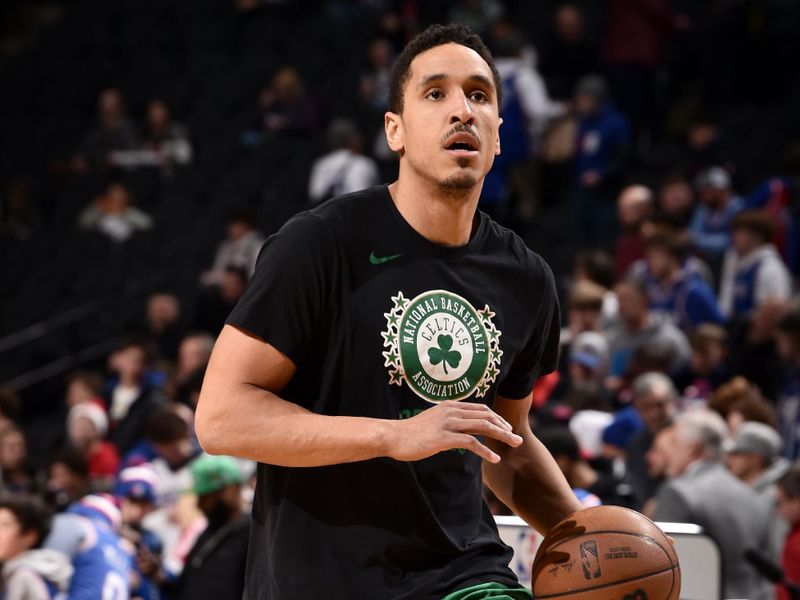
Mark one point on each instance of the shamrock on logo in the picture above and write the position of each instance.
(443, 354)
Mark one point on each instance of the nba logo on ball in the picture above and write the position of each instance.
(590, 558)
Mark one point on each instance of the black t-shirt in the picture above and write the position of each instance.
(383, 323)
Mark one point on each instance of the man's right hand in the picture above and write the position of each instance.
(447, 426)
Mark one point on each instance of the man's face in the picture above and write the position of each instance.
(744, 241)
(448, 132)
(656, 409)
(660, 263)
(679, 453)
(676, 198)
(134, 510)
(788, 508)
(13, 541)
(744, 464)
(632, 303)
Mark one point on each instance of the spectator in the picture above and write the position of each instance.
(638, 327)
(163, 323)
(753, 271)
(708, 367)
(526, 110)
(16, 475)
(284, 108)
(136, 496)
(239, 250)
(29, 572)
(754, 352)
(216, 303)
(603, 147)
(788, 346)
(344, 169)
(753, 456)
(739, 401)
(88, 533)
(673, 289)
(634, 209)
(700, 490)
(588, 358)
(589, 486)
(68, 478)
(87, 426)
(84, 387)
(710, 225)
(374, 83)
(215, 566)
(113, 131)
(132, 398)
(789, 509)
(585, 306)
(193, 355)
(598, 267)
(166, 139)
(654, 399)
(676, 201)
(114, 215)
(569, 54)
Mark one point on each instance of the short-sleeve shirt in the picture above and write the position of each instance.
(381, 322)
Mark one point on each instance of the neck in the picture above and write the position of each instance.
(442, 216)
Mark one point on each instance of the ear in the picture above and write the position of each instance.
(393, 126)
(497, 145)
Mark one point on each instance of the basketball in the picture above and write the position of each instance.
(608, 553)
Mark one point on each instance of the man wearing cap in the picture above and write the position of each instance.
(752, 454)
(135, 494)
(710, 225)
(215, 565)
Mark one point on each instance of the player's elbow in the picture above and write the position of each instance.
(209, 426)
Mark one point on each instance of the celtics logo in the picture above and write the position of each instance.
(441, 346)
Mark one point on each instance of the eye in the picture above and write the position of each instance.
(435, 95)
(478, 96)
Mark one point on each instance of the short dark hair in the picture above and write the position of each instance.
(164, 427)
(31, 515)
(74, 460)
(756, 222)
(559, 441)
(598, 267)
(675, 244)
(433, 36)
(790, 482)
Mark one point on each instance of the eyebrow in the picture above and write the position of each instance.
(482, 79)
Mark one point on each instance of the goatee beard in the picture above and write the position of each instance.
(463, 182)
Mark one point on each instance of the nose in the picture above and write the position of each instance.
(462, 111)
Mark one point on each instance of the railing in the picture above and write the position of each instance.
(16, 341)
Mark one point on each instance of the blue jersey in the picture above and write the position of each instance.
(102, 565)
(688, 301)
(744, 289)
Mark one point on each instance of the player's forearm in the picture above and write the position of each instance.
(261, 426)
(528, 481)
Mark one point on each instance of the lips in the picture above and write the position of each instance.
(462, 143)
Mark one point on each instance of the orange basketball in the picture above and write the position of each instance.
(606, 553)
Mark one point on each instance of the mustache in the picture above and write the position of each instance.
(461, 128)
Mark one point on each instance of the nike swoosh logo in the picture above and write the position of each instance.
(379, 260)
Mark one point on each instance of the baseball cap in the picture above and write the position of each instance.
(754, 438)
(213, 473)
(714, 177)
(137, 483)
(590, 349)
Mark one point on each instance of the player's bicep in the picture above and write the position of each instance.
(242, 358)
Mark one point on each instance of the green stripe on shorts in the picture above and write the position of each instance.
(490, 591)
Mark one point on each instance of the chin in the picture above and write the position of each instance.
(461, 180)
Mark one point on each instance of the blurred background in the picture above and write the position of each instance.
(651, 154)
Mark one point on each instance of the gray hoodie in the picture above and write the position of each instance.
(26, 575)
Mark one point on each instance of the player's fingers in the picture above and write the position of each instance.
(471, 443)
(471, 410)
(486, 428)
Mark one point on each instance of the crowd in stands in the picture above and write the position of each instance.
(645, 171)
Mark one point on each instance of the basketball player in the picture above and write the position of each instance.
(380, 365)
